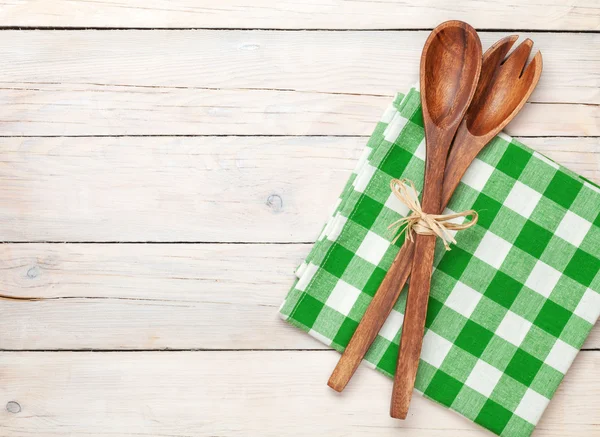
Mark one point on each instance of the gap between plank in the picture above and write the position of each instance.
(185, 350)
(263, 135)
(277, 29)
(222, 136)
(164, 350)
(158, 242)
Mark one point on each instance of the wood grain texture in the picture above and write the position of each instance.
(108, 111)
(171, 189)
(222, 82)
(235, 189)
(374, 63)
(183, 394)
(152, 296)
(121, 296)
(310, 14)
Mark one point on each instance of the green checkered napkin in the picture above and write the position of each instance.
(511, 303)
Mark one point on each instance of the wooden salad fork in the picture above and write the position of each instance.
(393, 283)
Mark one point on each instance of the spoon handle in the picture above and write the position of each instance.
(411, 341)
(414, 325)
(392, 285)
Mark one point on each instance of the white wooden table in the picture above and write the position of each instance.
(159, 184)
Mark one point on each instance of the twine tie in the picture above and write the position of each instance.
(423, 223)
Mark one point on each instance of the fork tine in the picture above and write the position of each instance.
(498, 51)
(518, 58)
(534, 66)
(489, 66)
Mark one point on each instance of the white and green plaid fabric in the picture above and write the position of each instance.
(511, 303)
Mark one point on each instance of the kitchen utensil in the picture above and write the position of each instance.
(450, 68)
(393, 283)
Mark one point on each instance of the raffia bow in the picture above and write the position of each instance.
(423, 223)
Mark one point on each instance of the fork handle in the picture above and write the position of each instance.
(374, 318)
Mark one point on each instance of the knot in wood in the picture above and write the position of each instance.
(275, 202)
(33, 272)
(13, 407)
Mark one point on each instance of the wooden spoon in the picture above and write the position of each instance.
(505, 86)
(393, 283)
(450, 67)
(455, 87)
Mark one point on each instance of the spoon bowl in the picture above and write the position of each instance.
(450, 62)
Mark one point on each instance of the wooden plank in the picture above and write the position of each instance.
(121, 296)
(248, 83)
(240, 394)
(371, 62)
(171, 189)
(310, 14)
(131, 296)
(235, 189)
(582, 155)
(108, 111)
